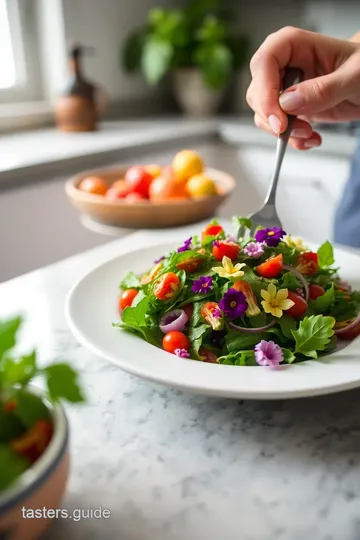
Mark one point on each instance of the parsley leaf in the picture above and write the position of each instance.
(18, 371)
(62, 383)
(130, 281)
(15, 466)
(289, 281)
(313, 335)
(8, 331)
(326, 255)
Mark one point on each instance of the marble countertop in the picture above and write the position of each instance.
(174, 466)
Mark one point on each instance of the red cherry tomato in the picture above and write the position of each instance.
(114, 194)
(167, 286)
(308, 263)
(299, 307)
(139, 180)
(126, 298)
(134, 197)
(190, 265)
(315, 291)
(34, 441)
(175, 340)
(211, 230)
(189, 308)
(271, 268)
(207, 356)
(225, 249)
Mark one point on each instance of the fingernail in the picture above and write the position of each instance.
(290, 101)
(311, 143)
(300, 132)
(275, 123)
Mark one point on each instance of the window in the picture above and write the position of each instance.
(19, 73)
(7, 60)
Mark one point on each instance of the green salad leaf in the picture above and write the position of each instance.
(313, 335)
(323, 303)
(238, 341)
(239, 358)
(287, 325)
(325, 255)
(130, 281)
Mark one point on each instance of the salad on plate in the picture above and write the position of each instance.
(265, 299)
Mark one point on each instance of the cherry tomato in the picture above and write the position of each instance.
(211, 230)
(139, 180)
(315, 291)
(271, 268)
(165, 188)
(175, 340)
(207, 356)
(10, 405)
(114, 194)
(148, 278)
(308, 263)
(167, 286)
(190, 265)
(94, 185)
(189, 308)
(126, 298)
(350, 334)
(121, 187)
(299, 307)
(34, 441)
(134, 197)
(225, 249)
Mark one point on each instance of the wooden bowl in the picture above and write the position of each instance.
(145, 214)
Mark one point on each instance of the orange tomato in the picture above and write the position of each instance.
(165, 188)
(94, 185)
(121, 186)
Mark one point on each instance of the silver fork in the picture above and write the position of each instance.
(267, 215)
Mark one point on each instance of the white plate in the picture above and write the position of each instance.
(91, 308)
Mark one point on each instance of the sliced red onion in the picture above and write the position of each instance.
(174, 320)
(340, 331)
(300, 277)
(251, 330)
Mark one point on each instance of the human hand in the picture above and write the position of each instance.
(330, 91)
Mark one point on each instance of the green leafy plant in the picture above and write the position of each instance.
(198, 36)
(25, 421)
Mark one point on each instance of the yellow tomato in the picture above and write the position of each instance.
(186, 164)
(201, 185)
(94, 185)
(154, 170)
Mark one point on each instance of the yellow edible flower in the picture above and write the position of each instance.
(228, 270)
(295, 242)
(275, 302)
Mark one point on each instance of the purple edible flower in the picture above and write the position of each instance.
(254, 249)
(182, 353)
(268, 353)
(186, 245)
(159, 260)
(217, 313)
(202, 285)
(233, 304)
(216, 243)
(230, 238)
(271, 237)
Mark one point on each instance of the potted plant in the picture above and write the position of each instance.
(34, 456)
(195, 46)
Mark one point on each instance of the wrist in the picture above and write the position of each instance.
(355, 38)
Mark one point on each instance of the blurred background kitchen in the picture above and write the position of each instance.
(163, 75)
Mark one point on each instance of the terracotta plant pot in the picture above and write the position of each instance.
(42, 485)
(193, 96)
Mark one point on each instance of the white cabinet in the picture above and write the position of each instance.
(310, 187)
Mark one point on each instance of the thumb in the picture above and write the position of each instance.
(314, 95)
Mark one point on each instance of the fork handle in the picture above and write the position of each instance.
(292, 76)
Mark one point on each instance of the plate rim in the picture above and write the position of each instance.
(191, 386)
